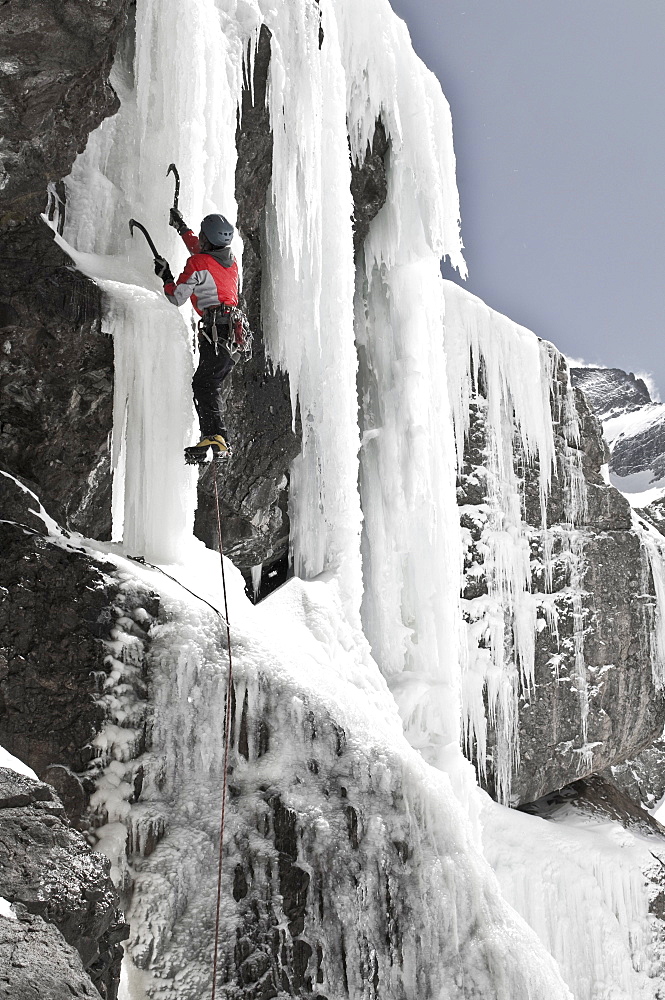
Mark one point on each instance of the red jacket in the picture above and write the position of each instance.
(210, 278)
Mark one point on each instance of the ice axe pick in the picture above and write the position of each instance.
(174, 170)
(133, 224)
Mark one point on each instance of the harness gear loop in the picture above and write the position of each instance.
(228, 325)
(227, 734)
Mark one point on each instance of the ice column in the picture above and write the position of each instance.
(308, 312)
(411, 556)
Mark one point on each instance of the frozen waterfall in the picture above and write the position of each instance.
(357, 679)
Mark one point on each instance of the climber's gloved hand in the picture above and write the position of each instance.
(163, 270)
(176, 220)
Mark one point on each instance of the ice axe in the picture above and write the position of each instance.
(133, 224)
(174, 170)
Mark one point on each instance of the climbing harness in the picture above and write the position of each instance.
(227, 733)
(227, 325)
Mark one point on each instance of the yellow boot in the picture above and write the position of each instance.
(198, 453)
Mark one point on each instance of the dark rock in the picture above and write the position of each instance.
(655, 514)
(643, 451)
(53, 612)
(49, 869)
(36, 963)
(625, 713)
(55, 366)
(56, 377)
(613, 622)
(598, 796)
(642, 778)
(369, 185)
(54, 91)
(612, 392)
(58, 608)
(70, 790)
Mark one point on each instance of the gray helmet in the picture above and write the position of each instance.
(217, 230)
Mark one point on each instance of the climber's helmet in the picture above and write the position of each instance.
(217, 230)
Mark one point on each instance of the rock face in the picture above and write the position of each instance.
(611, 392)
(72, 630)
(55, 90)
(55, 418)
(599, 796)
(67, 936)
(643, 777)
(56, 371)
(593, 702)
(36, 961)
(369, 186)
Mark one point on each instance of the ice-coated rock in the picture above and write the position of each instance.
(55, 89)
(556, 565)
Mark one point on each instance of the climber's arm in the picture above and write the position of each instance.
(188, 237)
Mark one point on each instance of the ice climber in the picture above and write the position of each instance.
(210, 277)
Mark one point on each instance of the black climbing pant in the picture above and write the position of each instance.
(207, 387)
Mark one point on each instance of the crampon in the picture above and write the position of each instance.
(214, 443)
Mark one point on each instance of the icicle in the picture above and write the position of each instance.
(308, 312)
(577, 865)
(510, 379)
(257, 572)
(653, 546)
(411, 531)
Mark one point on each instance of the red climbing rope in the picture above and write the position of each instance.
(227, 732)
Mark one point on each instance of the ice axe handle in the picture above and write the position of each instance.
(133, 224)
(174, 170)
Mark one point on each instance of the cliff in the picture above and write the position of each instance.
(416, 470)
(64, 936)
(555, 551)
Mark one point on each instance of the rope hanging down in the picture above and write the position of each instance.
(227, 732)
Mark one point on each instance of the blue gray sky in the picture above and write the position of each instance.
(558, 113)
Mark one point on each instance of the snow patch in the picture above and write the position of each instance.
(14, 764)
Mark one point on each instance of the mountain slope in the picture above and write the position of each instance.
(633, 425)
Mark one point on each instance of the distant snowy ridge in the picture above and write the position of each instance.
(634, 427)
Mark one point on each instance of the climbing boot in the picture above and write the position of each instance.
(220, 447)
(198, 453)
